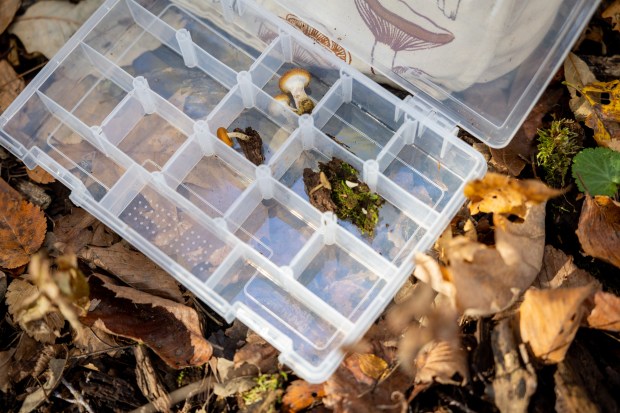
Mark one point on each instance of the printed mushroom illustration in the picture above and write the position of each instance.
(294, 82)
(399, 33)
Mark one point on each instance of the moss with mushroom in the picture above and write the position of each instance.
(337, 188)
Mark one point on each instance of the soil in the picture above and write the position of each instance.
(253, 147)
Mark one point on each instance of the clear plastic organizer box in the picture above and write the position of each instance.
(125, 115)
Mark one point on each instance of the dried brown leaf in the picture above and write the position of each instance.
(71, 231)
(558, 270)
(40, 175)
(22, 230)
(148, 383)
(606, 312)
(502, 194)
(10, 83)
(6, 358)
(7, 12)
(549, 320)
(599, 229)
(36, 316)
(170, 329)
(300, 395)
(366, 368)
(613, 12)
(257, 352)
(135, 269)
(37, 397)
(577, 74)
(442, 362)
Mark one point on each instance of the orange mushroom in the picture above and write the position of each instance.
(294, 82)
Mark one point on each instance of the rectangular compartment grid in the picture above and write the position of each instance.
(126, 115)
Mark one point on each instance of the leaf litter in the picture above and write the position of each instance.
(499, 289)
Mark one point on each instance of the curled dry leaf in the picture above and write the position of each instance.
(549, 320)
(442, 362)
(37, 397)
(606, 312)
(170, 329)
(40, 175)
(10, 83)
(502, 194)
(71, 231)
(366, 368)
(46, 26)
(599, 229)
(613, 12)
(22, 230)
(300, 395)
(558, 270)
(257, 352)
(135, 269)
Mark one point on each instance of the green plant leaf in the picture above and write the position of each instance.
(597, 171)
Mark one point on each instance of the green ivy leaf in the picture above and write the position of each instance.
(597, 171)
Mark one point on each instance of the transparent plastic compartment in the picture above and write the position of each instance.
(126, 115)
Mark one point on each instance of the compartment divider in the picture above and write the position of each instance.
(328, 106)
(264, 68)
(405, 135)
(92, 134)
(235, 254)
(168, 36)
(286, 279)
(108, 69)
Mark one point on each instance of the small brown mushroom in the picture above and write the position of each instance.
(282, 103)
(294, 81)
(226, 137)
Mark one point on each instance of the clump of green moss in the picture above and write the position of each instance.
(265, 384)
(556, 147)
(344, 194)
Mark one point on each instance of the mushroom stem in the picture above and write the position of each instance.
(303, 103)
(239, 135)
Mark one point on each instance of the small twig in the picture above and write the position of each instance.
(184, 393)
(78, 397)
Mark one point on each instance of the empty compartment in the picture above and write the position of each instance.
(277, 225)
(236, 42)
(80, 87)
(143, 45)
(346, 279)
(270, 119)
(209, 174)
(148, 139)
(195, 244)
(428, 164)
(360, 115)
(289, 53)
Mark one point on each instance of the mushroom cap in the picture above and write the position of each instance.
(293, 77)
(282, 98)
(222, 134)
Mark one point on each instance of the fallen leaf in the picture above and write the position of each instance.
(37, 397)
(257, 352)
(40, 320)
(502, 194)
(515, 379)
(10, 83)
(46, 26)
(22, 230)
(71, 230)
(577, 74)
(599, 229)
(300, 395)
(606, 312)
(5, 364)
(134, 269)
(170, 329)
(613, 12)
(549, 320)
(27, 355)
(366, 368)
(40, 175)
(234, 385)
(7, 12)
(442, 362)
(558, 270)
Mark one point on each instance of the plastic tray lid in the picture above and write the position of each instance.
(482, 64)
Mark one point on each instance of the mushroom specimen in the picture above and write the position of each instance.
(294, 82)
(249, 140)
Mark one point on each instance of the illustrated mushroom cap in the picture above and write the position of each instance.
(222, 134)
(294, 77)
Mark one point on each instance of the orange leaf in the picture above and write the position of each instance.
(300, 395)
(599, 229)
(40, 175)
(606, 312)
(22, 230)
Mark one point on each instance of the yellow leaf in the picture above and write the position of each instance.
(604, 98)
(502, 194)
(372, 366)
